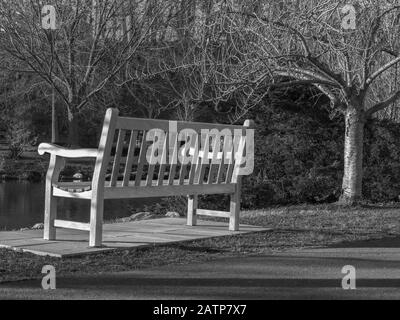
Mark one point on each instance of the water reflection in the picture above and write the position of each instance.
(22, 205)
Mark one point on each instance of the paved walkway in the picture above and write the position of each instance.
(304, 274)
(118, 236)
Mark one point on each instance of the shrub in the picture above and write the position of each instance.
(18, 138)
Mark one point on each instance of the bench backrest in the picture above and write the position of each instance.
(214, 152)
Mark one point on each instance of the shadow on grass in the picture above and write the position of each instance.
(385, 242)
(139, 282)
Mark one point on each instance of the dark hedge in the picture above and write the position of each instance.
(299, 154)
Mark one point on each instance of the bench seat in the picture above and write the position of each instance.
(83, 190)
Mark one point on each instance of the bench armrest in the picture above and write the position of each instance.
(66, 153)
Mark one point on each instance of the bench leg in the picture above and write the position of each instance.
(192, 208)
(96, 223)
(50, 214)
(50, 203)
(234, 210)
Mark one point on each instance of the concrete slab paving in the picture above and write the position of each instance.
(118, 236)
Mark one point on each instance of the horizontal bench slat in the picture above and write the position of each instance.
(212, 213)
(120, 192)
(74, 195)
(87, 185)
(72, 225)
(166, 191)
(148, 124)
(74, 186)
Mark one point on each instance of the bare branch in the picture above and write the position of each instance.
(377, 73)
(384, 104)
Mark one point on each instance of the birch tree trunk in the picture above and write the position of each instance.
(353, 155)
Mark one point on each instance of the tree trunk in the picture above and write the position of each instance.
(54, 120)
(73, 136)
(353, 156)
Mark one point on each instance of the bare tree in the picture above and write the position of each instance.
(89, 48)
(314, 43)
(191, 61)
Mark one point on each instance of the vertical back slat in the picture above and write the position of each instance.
(184, 166)
(201, 169)
(221, 170)
(231, 156)
(195, 160)
(214, 165)
(163, 164)
(151, 167)
(238, 159)
(222, 165)
(227, 147)
(117, 158)
(130, 157)
(182, 174)
(174, 164)
(142, 159)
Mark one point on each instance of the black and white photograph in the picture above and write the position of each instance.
(198, 155)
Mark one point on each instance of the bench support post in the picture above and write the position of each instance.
(192, 208)
(96, 222)
(50, 215)
(50, 207)
(103, 157)
(235, 209)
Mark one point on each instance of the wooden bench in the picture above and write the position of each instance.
(122, 170)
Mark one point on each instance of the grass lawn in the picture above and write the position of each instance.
(292, 227)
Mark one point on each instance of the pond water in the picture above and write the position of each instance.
(22, 205)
